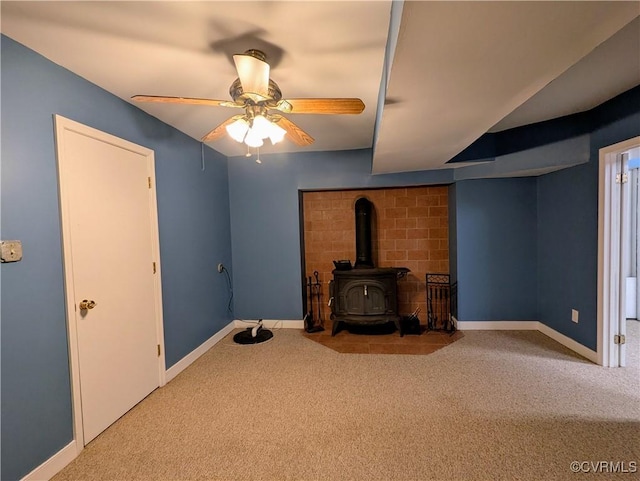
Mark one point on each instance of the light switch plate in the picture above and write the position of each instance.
(575, 315)
(10, 251)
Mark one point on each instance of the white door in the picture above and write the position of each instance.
(110, 244)
(613, 212)
(625, 214)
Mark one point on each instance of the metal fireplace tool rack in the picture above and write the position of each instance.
(442, 303)
(310, 323)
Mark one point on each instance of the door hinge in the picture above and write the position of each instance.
(149, 180)
(159, 350)
(619, 339)
(154, 267)
(622, 178)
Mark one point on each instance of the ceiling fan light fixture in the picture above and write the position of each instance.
(254, 132)
(276, 133)
(261, 126)
(253, 72)
(253, 139)
(264, 128)
(238, 130)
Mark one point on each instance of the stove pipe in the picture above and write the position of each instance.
(364, 213)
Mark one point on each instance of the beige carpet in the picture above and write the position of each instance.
(493, 406)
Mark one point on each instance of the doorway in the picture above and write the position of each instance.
(614, 222)
(112, 274)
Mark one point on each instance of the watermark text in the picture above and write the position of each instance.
(603, 467)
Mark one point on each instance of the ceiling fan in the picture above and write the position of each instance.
(258, 96)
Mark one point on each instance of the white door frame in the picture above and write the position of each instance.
(610, 254)
(63, 124)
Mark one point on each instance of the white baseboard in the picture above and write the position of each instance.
(569, 343)
(271, 323)
(498, 325)
(530, 326)
(187, 360)
(54, 464)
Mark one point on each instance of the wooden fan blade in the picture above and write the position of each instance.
(326, 106)
(186, 100)
(294, 133)
(220, 130)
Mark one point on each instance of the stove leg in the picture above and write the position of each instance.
(399, 326)
(336, 327)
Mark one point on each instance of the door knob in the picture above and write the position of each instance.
(85, 304)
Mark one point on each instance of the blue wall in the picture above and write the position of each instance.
(496, 233)
(568, 237)
(265, 228)
(496, 249)
(193, 209)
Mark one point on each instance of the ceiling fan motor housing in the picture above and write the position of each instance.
(237, 93)
(259, 54)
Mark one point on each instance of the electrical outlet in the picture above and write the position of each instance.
(575, 315)
(11, 251)
(220, 268)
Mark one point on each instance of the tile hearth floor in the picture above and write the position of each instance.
(381, 340)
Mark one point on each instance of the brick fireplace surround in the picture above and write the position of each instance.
(410, 229)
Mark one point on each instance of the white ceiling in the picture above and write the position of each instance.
(459, 69)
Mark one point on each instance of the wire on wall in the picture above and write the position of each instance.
(230, 287)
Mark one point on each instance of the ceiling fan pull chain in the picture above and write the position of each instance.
(258, 161)
(248, 154)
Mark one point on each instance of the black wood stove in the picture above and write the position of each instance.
(364, 295)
